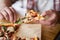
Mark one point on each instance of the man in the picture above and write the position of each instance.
(46, 7)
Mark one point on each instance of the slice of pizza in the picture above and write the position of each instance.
(31, 16)
(8, 30)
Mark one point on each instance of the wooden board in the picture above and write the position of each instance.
(29, 31)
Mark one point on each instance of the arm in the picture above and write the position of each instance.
(19, 9)
(4, 3)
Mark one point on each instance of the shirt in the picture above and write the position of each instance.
(43, 5)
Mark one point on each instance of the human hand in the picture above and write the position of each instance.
(50, 18)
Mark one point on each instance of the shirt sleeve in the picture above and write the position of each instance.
(19, 9)
(57, 5)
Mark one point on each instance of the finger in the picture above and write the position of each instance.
(14, 13)
(5, 14)
(49, 12)
(11, 16)
(46, 13)
(43, 14)
(52, 17)
(54, 24)
(52, 10)
(1, 16)
(44, 22)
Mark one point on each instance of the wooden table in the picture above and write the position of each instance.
(49, 33)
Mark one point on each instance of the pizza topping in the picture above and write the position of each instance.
(31, 16)
(1, 34)
(10, 29)
(4, 28)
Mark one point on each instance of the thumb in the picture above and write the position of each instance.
(44, 14)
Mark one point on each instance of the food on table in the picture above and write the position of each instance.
(31, 16)
(8, 30)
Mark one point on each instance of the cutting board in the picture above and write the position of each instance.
(29, 31)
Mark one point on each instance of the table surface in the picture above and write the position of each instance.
(49, 33)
